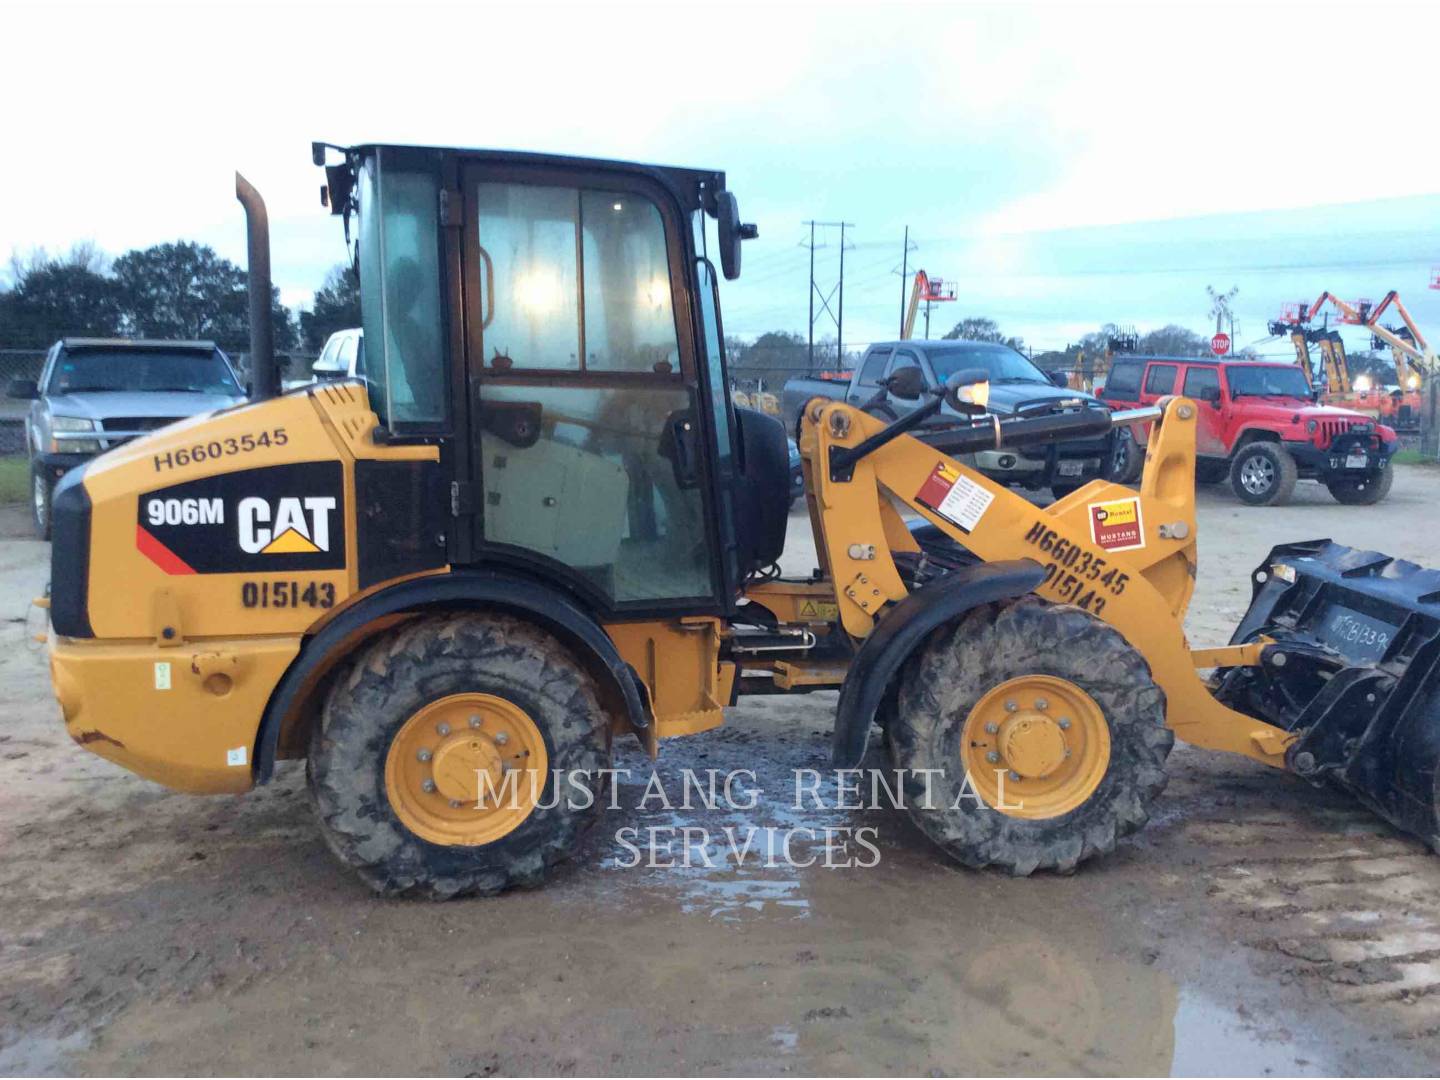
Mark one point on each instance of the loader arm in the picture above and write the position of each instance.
(1128, 559)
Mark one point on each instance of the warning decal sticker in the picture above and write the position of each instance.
(1117, 525)
(954, 496)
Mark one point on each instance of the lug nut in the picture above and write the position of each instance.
(428, 787)
(443, 729)
(454, 804)
(1014, 775)
(1010, 706)
(992, 757)
(1041, 704)
(423, 755)
(1064, 723)
(474, 721)
(501, 738)
(991, 729)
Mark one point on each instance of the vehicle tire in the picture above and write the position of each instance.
(1363, 492)
(40, 492)
(1263, 474)
(1080, 688)
(1127, 459)
(392, 765)
(1211, 472)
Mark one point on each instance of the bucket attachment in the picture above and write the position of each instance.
(1354, 673)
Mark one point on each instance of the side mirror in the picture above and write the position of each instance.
(968, 391)
(907, 384)
(23, 389)
(732, 232)
(1059, 378)
(1210, 395)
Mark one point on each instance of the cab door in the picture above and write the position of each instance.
(587, 431)
(1202, 385)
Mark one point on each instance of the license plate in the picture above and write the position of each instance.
(1356, 461)
(1071, 468)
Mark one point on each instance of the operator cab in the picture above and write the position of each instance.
(553, 323)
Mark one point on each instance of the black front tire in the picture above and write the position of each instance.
(997, 643)
(1263, 474)
(399, 674)
(40, 493)
(1362, 492)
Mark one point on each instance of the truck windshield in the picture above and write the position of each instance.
(1004, 364)
(1266, 381)
(132, 370)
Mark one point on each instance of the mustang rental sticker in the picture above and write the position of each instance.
(954, 496)
(1117, 525)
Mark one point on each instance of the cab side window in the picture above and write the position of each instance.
(1124, 382)
(1200, 382)
(1160, 379)
(874, 366)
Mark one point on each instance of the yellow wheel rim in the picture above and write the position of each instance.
(466, 770)
(1035, 747)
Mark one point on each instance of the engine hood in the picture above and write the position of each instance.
(105, 406)
(1005, 398)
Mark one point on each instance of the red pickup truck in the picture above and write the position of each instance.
(1261, 428)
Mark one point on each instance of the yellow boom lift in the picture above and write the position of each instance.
(540, 523)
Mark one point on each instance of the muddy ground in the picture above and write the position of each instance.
(1256, 925)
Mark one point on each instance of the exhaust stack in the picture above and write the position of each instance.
(264, 377)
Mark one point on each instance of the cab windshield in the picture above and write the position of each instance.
(144, 370)
(1267, 381)
(1004, 364)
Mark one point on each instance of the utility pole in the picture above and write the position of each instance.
(840, 308)
(836, 291)
(904, 272)
(811, 353)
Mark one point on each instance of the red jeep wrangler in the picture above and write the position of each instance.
(1259, 427)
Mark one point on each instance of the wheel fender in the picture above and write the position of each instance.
(514, 593)
(902, 629)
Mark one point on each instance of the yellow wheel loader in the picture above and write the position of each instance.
(540, 522)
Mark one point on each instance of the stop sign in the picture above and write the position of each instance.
(1220, 344)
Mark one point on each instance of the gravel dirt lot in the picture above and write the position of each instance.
(1257, 925)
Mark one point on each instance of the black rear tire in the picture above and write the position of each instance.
(402, 672)
(1211, 472)
(1363, 492)
(991, 645)
(1263, 474)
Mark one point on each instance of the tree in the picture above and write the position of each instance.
(976, 328)
(58, 297)
(1172, 340)
(185, 290)
(336, 307)
(775, 351)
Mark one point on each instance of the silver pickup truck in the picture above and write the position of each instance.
(1016, 387)
(95, 393)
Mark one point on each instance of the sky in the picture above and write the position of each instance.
(1064, 165)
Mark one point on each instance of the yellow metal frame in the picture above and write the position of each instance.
(853, 518)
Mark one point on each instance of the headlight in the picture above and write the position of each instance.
(73, 446)
(1362, 383)
(1311, 426)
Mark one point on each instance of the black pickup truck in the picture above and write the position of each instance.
(1016, 387)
